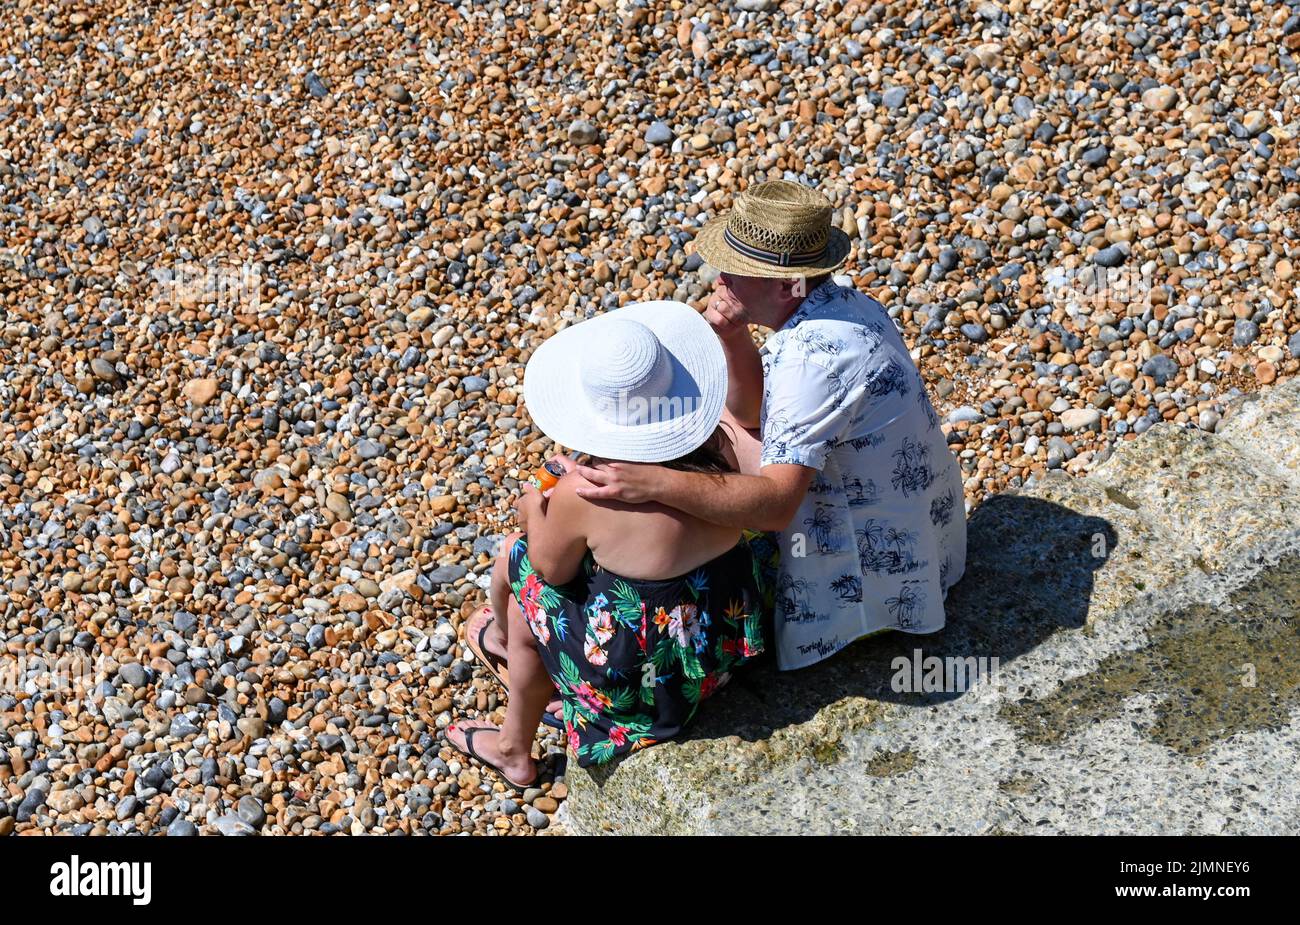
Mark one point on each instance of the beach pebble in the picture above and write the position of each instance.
(1081, 419)
(658, 133)
(1161, 367)
(314, 85)
(1159, 99)
(231, 824)
(1109, 256)
(582, 132)
(397, 93)
(181, 827)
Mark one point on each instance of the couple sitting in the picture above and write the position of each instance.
(802, 494)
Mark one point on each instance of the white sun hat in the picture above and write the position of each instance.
(642, 383)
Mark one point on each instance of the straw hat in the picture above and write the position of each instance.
(643, 383)
(775, 229)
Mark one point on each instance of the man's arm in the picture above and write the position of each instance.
(744, 379)
(767, 501)
(744, 367)
(811, 416)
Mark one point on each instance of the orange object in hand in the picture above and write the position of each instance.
(548, 475)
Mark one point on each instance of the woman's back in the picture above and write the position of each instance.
(648, 541)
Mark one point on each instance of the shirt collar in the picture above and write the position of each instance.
(824, 290)
(827, 288)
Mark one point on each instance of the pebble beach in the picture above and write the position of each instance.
(270, 274)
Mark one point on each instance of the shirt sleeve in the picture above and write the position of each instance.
(806, 411)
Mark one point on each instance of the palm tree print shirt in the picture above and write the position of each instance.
(881, 534)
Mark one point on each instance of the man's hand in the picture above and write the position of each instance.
(767, 501)
(727, 316)
(725, 313)
(631, 483)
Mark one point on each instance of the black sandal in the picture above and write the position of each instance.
(473, 753)
(494, 664)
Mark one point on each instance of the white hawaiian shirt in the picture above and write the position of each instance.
(881, 534)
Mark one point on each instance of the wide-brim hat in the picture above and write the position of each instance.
(775, 229)
(643, 383)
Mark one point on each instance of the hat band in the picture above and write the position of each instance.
(776, 258)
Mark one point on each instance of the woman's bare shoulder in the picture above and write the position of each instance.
(606, 516)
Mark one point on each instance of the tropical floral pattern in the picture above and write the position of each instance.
(634, 659)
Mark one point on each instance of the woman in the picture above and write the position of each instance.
(635, 613)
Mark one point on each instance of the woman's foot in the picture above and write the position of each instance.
(487, 642)
(484, 637)
(483, 741)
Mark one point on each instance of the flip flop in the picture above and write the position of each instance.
(473, 753)
(496, 665)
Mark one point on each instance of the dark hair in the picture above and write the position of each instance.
(707, 457)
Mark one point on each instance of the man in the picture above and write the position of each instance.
(852, 471)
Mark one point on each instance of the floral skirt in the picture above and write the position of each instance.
(632, 658)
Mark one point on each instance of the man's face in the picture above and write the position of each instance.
(755, 293)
